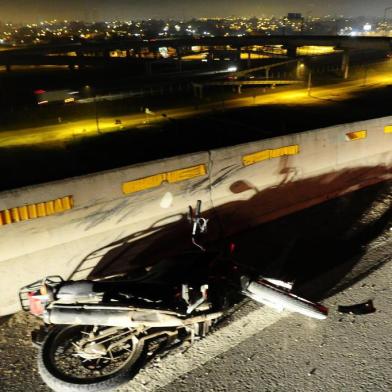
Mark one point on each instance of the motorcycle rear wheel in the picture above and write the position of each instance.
(64, 371)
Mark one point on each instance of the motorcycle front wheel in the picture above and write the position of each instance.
(65, 367)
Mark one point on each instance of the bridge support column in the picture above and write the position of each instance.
(292, 51)
(238, 57)
(267, 73)
(197, 90)
(8, 67)
(345, 64)
(239, 89)
(249, 59)
(179, 60)
(148, 68)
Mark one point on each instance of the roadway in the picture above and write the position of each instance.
(62, 132)
(265, 351)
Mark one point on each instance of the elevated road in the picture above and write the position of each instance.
(39, 54)
(340, 42)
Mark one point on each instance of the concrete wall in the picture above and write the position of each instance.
(108, 231)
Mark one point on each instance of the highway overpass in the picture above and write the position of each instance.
(108, 223)
(337, 41)
(86, 52)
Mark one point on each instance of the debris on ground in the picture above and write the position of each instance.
(358, 309)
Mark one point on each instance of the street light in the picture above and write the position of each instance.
(300, 69)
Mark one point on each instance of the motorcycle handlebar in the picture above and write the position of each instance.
(198, 209)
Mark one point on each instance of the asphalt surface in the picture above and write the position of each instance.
(344, 353)
(258, 349)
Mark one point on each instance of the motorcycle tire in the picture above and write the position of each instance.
(59, 381)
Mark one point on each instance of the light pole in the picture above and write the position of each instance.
(96, 113)
(92, 93)
(309, 82)
(365, 76)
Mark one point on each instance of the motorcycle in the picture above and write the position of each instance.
(98, 333)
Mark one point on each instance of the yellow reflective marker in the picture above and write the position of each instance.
(264, 155)
(49, 207)
(356, 135)
(67, 202)
(23, 213)
(156, 180)
(41, 210)
(186, 174)
(58, 205)
(142, 184)
(37, 210)
(32, 210)
(388, 129)
(7, 217)
(256, 157)
(15, 215)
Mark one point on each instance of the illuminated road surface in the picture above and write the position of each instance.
(84, 128)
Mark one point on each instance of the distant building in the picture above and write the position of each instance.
(294, 16)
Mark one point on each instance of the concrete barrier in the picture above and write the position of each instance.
(109, 222)
(299, 171)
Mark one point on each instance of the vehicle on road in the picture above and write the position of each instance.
(45, 97)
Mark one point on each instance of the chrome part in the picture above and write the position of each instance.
(199, 301)
(199, 224)
(103, 343)
(268, 294)
(128, 318)
(78, 292)
(280, 283)
(92, 351)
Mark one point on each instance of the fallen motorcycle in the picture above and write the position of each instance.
(97, 332)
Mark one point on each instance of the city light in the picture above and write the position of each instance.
(56, 30)
(367, 27)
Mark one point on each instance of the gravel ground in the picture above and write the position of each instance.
(18, 370)
(262, 350)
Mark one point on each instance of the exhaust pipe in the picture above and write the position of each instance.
(278, 299)
(110, 317)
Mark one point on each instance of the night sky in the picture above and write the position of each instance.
(36, 10)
